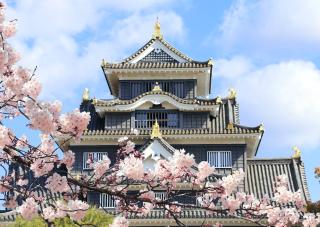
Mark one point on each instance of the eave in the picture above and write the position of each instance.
(157, 97)
(174, 136)
(154, 71)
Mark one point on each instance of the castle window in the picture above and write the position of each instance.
(160, 195)
(93, 156)
(220, 159)
(107, 201)
(166, 119)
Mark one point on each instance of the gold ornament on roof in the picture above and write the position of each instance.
(230, 126)
(155, 133)
(261, 128)
(157, 30)
(94, 101)
(297, 152)
(103, 63)
(232, 93)
(157, 87)
(218, 100)
(86, 95)
(210, 62)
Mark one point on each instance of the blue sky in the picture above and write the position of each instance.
(267, 50)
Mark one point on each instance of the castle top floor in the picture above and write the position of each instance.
(158, 62)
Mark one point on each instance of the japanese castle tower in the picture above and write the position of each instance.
(160, 92)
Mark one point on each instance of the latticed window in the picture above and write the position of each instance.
(220, 159)
(107, 201)
(181, 88)
(158, 55)
(166, 119)
(161, 195)
(93, 156)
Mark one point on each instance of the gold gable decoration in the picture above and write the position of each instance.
(155, 133)
(156, 87)
(157, 30)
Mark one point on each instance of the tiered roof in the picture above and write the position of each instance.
(155, 56)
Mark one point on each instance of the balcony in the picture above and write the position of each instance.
(166, 119)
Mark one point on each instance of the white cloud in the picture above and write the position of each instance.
(285, 96)
(285, 28)
(68, 39)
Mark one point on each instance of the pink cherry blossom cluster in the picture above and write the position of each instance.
(68, 159)
(29, 209)
(311, 220)
(204, 170)
(11, 203)
(232, 181)
(57, 183)
(100, 167)
(41, 166)
(75, 209)
(132, 168)
(120, 221)
(5, 139)
(75, 122)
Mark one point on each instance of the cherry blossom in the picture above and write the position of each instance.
(100, 168)
(204, 170)
(41, 166)
(11, 203)
(68, 158)
(146, 194)
(231, 182)
(4, 137)
(77, 209)
(57, 183)
(119, 222)
(75, 122)
(32, 88)
(22, 182)
(4, 187)
(311, 220)
(132, 168)
(29, 209)
(22, 142)
(49, 213)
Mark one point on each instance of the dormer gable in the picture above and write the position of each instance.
(158, 50)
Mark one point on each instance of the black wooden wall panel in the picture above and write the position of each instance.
(118, 120)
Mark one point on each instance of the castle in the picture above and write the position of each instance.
(162, 93)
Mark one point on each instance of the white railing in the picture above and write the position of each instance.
(107, 201)
(220, 159)
(93, 156)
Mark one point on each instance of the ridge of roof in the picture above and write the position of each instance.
(165, 43)
(150, 65)
(200, 101)
(163, 142)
